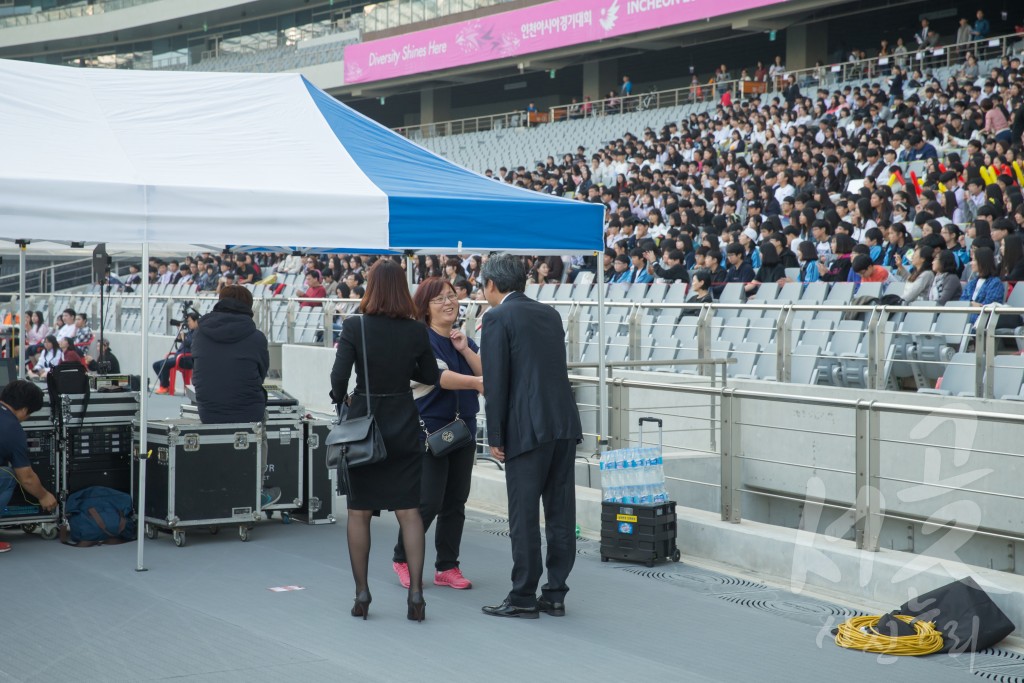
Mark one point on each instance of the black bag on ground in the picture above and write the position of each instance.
(965, 615)
(98, 515)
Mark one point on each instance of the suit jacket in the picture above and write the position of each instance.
(529, 399)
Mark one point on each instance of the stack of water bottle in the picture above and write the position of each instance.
(634, 476)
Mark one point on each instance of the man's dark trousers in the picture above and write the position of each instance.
(546, 473)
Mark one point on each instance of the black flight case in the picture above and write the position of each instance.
(23, 510)
(284, 442)
(318, 506)
(96, 438)
(202, 476)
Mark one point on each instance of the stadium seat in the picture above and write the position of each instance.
(958, 378)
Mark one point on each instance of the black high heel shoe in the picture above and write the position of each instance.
(417, 607)
(361, 608)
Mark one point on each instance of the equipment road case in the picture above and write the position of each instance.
(22, 510)
(284, 441)
(318, 506)
(285, 446)
(205, 476)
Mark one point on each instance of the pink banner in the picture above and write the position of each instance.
(524, 31)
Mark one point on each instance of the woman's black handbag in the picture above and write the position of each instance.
(356, 442)
(450, 438)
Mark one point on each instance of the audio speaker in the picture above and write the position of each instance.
(100, 263)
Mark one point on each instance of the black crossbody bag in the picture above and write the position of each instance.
(451, 437)
(356, 442)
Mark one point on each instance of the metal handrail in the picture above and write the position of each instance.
(707, 92)
(874, 361)
(473, 124)
(925, 58)
(866, 438)
(61, 13)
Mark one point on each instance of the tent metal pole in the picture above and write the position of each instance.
(602, 379)
(22, 244)
(143, 410)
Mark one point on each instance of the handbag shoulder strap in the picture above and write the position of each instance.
(366, 367)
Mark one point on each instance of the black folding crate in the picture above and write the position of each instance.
(639, 533)
(318, 506)
(205, 476)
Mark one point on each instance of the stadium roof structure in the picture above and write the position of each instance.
(127, 156)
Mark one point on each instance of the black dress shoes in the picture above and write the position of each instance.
(554, 609)
(507, 609)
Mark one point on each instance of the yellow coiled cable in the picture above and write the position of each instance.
(859, 633)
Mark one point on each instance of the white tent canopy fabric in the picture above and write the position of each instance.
(172, 157)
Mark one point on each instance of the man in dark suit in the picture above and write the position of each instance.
(533, 426)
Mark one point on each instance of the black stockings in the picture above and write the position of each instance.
(359, 546)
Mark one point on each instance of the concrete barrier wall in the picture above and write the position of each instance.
(128, 345)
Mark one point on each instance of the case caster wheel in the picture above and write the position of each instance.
(214, 530)
(332, 519)
(269, 514)
(29, 528)
(49, 534)
(243, 534)
(650, 563)
(179, 538)
(604, 558)
(676, 555)
(286, 518)
(152, 532)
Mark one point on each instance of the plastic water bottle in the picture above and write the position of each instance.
(634, 478)
(611, 479)
(607, 478)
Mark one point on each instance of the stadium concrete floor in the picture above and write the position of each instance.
(204, 612)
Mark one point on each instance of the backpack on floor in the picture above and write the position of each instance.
(98, 515)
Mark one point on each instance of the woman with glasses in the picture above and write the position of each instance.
(444, 486)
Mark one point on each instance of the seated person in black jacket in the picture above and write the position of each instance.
(110, 363)
(739, 270)
(700, 288)
(713, 267)
(230, 361)
(771, 269)
(675, 270)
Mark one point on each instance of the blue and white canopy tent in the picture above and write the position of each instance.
(146, 157)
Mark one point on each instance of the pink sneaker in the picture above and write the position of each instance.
(5, 547)
(402, 569)
(452, 578)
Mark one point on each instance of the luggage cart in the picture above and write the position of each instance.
(640, 533)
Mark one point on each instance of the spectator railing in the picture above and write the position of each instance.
(925, 59)
(657, 99)
(51, 278)
(706, 93)
(895, 346)
(474, 124)
(72, 12)
(870, 433)
(710, 92)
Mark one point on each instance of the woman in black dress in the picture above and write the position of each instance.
(399, 351)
